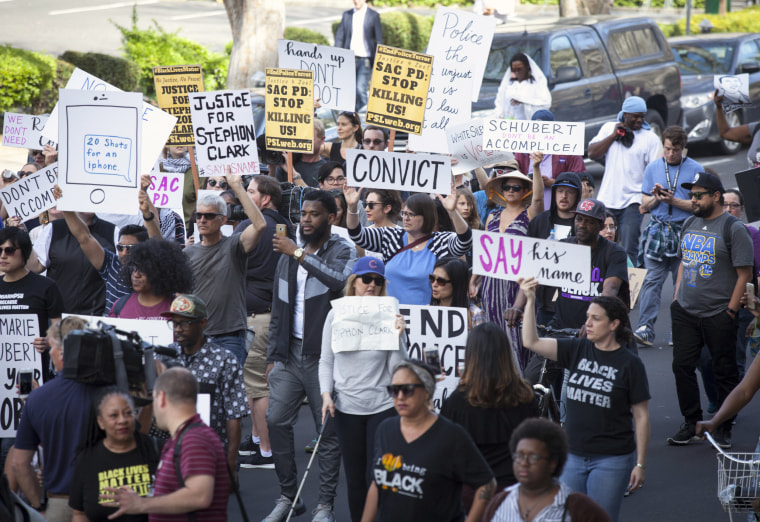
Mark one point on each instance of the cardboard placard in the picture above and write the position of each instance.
(173, 84)
(334, 71)
(735, 91)
(549, 137)
(224, 132)
(635, 280)
(17, 333)
(152, 331)
(398, 90)
(29, 197)
(398, 171)
(552, 263)
(24, 131)
(465, 143)
(290, 110)
(364, 323)
(749, 185)
(165, 190)
(99, 152)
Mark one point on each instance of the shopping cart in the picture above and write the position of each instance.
(738, 480)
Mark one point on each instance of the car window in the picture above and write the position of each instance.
(703, 57)
(502, 52)
(561, 52)
(748, 52)
(590, 48)
(632, 44)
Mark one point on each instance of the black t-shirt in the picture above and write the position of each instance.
(308, 171)
(422, 480)
(600, 392)
(540, 227)
(98, 468)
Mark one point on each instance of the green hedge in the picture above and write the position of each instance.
(744, 21)
(49, 97)
(403, 29)
(24, 76)
(117, 71)
(298, 34)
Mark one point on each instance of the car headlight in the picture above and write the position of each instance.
(696, 100)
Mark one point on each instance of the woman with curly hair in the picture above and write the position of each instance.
(157, 270)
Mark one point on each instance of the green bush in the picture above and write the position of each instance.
(421, 3)
(744, 21)
(24, 75)
(403, 29)
(49, 97)
(117, 71)
(298, 34)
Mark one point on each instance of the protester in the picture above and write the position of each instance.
(176, 159)
(375, 138)
(467, 208)
(349, 127)
(340, 202)
(523, 90)
(358, 380)
(383, 207)
(331, 175)
(450, 284)
(607, 396)
(429, 457)
(306, 166)
(746, 134)
(589, 185)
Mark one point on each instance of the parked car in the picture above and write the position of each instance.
(700, 58)
(592, 64)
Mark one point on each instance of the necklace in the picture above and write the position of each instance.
(528, 510)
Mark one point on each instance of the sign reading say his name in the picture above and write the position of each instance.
(466, 145)
(173, 84)
(290, 110)
(165, 190)
(17, 333)
(364, 323)
(29, 197)
(224, 132)
(398, 171)
(444, 328)
(334, 71)
(24, 131)
(552, 263)
(549, 137)
(398, 90)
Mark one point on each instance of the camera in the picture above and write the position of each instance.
(266, 156)
(624, 136)
(236, 212)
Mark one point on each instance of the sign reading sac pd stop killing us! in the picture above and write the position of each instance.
(290, 110)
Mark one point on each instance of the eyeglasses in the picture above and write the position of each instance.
(406, 214)
(531, 458)
(732, 205)
(208, 216)
(8, 251)
(506, 187)
(697, 195)
(214, 183)
(438, 280)
(406, 389)
(375, 142)
(370, 278)
(182, 325)
(122, 248)
(334, 181)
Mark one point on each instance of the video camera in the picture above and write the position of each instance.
(625, 136)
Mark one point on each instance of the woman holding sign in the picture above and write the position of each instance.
(358, 380)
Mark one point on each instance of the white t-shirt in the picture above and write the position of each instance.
(298, 309)
(357, 33)
(624, 167)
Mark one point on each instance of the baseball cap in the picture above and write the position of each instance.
(543, 115)
(568, 179)
(592, 208)
(369, 265)
(706, 180)
(187, 305)
(588, 179)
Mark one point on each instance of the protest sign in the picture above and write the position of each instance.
(552, 263)
(29, 197)
(398, 89)
(17, 333)
(465, 144)
(734, 89)
(224, 132)
(364, 323)
(99, 152)
(460, 42)
(165, 190)
(549, 137)
(24, 131)
(334, 71)
(152, 331)
(157, 124)
(398, 171)
(444, 328)
(635, 280)
(173, 84)
(289, 106)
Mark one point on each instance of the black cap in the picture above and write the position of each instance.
(706, 180)
(592, 208)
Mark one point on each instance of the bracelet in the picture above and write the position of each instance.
(354, 213)
(642, 466)
(152, 216)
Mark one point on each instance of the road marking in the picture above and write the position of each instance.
(716, 161)
(102, 7)
(198, 15)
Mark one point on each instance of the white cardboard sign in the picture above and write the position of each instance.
(398, 171)
(17, 333)
(549, 137)
(152, 331)
(24, 131)
(29, 197)
(466, 145)
(364, 323)
(165, 190)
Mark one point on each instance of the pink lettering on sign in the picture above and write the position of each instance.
(510, 259)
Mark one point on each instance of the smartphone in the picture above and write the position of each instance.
(432, 358)
(281, 230)
(24, 383)
(750, 289)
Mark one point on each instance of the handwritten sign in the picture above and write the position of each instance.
(173, 84)
(334, 71)
(152, 331)
(29, 197)
(17, 333)
(441, 327)
(157, 124)
(552, 263)
(165, 190)
(99, 153)
(549, 137)
(466, 145)
(24, 131)
(364, 323)
(224, 132)
(734, 89)
(398, 89)
(398, 171)
(635, 281)
(289, 106)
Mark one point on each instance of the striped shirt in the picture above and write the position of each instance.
(509, 510)
(111, 273)
(389, 240)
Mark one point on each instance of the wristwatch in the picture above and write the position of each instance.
(298, 254)
(152, 216)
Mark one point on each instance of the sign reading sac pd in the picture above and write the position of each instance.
(290, 110)
(173, 85)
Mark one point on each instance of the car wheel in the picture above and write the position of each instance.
(655, 121)
(729, 147)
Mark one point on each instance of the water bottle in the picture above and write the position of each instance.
(551, 236)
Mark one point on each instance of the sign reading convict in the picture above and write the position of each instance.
(290, 110)
(173, 85)
(398, 171)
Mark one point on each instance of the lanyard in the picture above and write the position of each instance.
(672, 187)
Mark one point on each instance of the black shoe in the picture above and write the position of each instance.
(684, 436)
(722, 437)
(256, 461)
(248, 447)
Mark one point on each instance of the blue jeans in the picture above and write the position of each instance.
(629, 224)
(651, 289)
(604, 478)
(363, 74)
(233, 343)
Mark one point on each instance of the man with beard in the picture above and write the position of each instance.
(716, 263)
(306, 280)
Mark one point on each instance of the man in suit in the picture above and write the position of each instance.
(360, 31)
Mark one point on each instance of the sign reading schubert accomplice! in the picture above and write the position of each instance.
(398, 171)
(549, 137)
(290, 110)
(173, 84)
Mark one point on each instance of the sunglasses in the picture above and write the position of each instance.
(372, 278)
(438, 280)
(8, 251)
(406, 389)
(207, 215)
(375, 142)
(506, 187)
(372, 204)
(122, 248)
(214, 183)
(697, 195)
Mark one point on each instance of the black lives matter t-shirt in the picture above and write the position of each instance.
(600, 392)
(422, 480)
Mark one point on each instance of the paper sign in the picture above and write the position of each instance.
(552, 263)
(29, 197)
(224, 132)
(735, 91)
(99, 153)
(398, 171)
(203, 407)
(152, 331)
(444, 328)
(17, 333)
(549, 137)
(465, 143)
(289, 106)
(635, 280)
(398, 89)
(157, 125)
(364, 323)
(165, 190)
(334, 71)
(24, 131)
(173, 85)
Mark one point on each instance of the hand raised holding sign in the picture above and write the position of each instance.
(528, 287)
